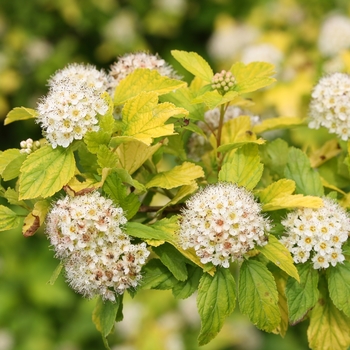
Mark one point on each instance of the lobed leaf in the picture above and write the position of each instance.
(45, 172)
(301, 297)
(277, 253)
(213, 99)
(8, 219)
(194, 63)
(184, 289)
(258, 296)
(216, 300)
(20, 113)
(143, 80)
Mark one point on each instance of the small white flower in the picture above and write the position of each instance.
(99, 259)
(71, 107)
(317, 234)
(222, 222)
(330, 105)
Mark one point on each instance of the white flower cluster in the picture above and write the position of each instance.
(334, 35)
(317, 234)
(222, 222)
(223, 82)
(72, 106)
(198, 144)
(128, 63)
(87, 234)
(28, 146)
(330, 105)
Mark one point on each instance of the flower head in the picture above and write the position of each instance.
(330, 105)
(317, 234)
(72, 106)
(223, 82)
(222, 222)
(28, 146)
(87, 234)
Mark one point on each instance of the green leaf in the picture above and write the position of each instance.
(194, 63)
(230, 146)
(180, 175)
(242, 167)
(133, 154)
(183, 290)
(278, 123)
(144, 232)
(252, 76)
(143, 80)
(117, 191)
(298, 168)
(329, 328)
(278, 195)
(216, 300)
(183, 98)
(277, 253)
(183, 192)
(257, 295)
(20, 113)
(106, 158)
(214, 99)
(301, 297)
(339, 286)
(144, 119)
(8, 219)
(55, 274)
(94, 139)
(173, 260)
(45, 172)
(12, 197)
(10, 162)
(156, 276)
(104, 316)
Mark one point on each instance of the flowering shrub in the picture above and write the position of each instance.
(266, 212)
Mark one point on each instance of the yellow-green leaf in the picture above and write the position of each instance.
(20, 113)
(194, 63)
(242, 167)
(144, 80)
(213, 99)
(234, 145)
(329, 150)
(183, 192)
(277, 253)
(278, 123)
(144, 119)
(133, 154)
(237, 130)
(183, 174)
(8, 219)
(45, 172)
(252, 76)
(278, 195)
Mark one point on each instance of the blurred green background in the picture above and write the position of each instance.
(38, 37)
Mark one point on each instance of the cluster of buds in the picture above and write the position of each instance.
(28, 146)
(223, 82)
(222, 222)
(87, 235)
(317, 234)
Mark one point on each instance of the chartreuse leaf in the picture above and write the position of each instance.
(183, 174)
(328, 150)
(184, 289)
(144, 80)
(301, 297)
(173, 260)
(252, 76)
(10, 163)
(339, 286)
(12, 197)
(329, 328)
(242, 167)
(133, 154)
(216, 300)
(104, 316)
(278, 123)
(94, 139)
(7, 157)
(194, 63)
(277, 253)
(156, 276)
(214, 99)
(45, 172)
(8, 219)
(183, 192)
(117, 191)
(20, 113)
(35, 218)
(298, 168)
(106, 158)
(144, 118)
(183, 98)
(257, 295)
(278, 195)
